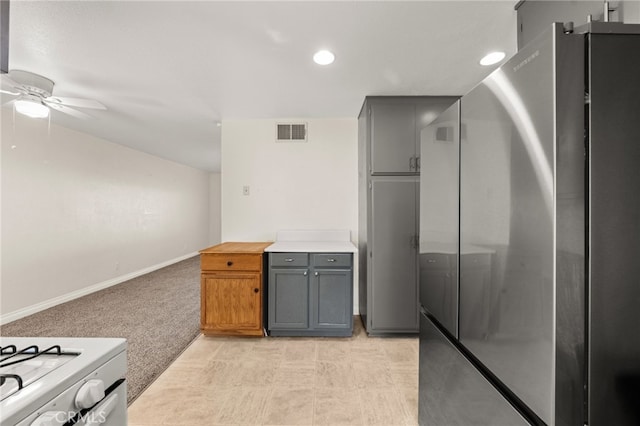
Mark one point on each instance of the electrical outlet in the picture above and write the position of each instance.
(245, 190)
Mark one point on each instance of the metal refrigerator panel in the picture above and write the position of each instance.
(570, 154)
(439, 218)
(508, 213)
(452, 392)
(614, 300)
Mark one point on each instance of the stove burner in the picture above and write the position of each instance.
(4, 377)
(26, 351)
(19, 367)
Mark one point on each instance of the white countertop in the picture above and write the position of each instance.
(312, 247)
(447, 248)
(313, 241)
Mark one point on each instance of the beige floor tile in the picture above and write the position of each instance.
(405, 377)
(286, 380)
(179, 374)
(222, 374)
(256, 374)
(372, 375)
(368, 350)
(234, 350)
(334, 351)
(195, 406)
(267, 354)
(410, 401)
(401, 352)
(150, 406)
(290, 406)
(244, 406)
(300, 351)
(201, 351)
(383, 407)
(335, 375)
(337, 407)
(295, 376)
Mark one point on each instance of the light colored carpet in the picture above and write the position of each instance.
(158, 313)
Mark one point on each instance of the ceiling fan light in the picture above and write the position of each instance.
(492, 58)
(323, 57)
(31, 108)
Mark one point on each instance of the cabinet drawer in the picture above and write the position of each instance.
(475, 259)
(436, 260)
(230, 262)
(342, 260)
(289, 259)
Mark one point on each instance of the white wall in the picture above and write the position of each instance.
(630, 11)
(295, 185)
(80, 213)
(215, 209)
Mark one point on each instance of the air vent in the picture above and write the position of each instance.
(444, 134)
(291, 132)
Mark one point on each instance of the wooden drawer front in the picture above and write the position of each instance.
(231, 262)
(289, 259)
(342, 260)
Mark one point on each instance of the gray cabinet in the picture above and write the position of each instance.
(310, 294)
(288, 298)
(393, 266)
(389, 138)
(393, 138)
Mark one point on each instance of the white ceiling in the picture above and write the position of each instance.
(169, 71)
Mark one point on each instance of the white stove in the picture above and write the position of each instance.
(50, 381)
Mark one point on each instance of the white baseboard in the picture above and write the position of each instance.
(29, 310)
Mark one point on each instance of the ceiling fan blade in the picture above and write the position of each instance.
(9, 86)
(9, 93)
(74, 102)
(68, 110)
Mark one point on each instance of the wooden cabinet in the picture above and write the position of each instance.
(311, 294)
(231, 289)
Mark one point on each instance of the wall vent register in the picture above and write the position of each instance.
(291, 132)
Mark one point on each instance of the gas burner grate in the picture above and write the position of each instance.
(8, 354)
(33, 350)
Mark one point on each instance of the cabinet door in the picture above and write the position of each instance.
(231, 301)
(288, 298)
(475, 302)
(438, 288)
(331, 303)
(393, 138)
(393, 273)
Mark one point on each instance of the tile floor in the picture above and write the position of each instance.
(286, 381)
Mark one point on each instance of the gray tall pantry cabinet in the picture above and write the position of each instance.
(389, 134)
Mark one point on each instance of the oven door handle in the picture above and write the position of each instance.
(99, 415)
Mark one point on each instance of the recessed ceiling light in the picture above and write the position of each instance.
(31, 107)
(492, 58)
(323, 57)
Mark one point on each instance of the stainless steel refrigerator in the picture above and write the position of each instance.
(530, 239)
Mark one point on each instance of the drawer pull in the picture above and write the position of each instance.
(432, 261)
(331, 259)
(229, 263)
(288, 259)
(255, 290)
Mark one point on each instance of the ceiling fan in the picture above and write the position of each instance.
(34, 96)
